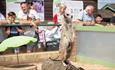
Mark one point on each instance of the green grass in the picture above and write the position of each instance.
(85, 59)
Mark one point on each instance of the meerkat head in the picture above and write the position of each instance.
(68, 18)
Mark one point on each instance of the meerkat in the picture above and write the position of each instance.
(67, 47)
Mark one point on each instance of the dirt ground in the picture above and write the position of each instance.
(92, 66)
(85, 66)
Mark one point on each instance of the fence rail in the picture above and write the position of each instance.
(4, 25)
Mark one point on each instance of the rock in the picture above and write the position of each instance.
(53, 65)
(58, 65)
(72, 67)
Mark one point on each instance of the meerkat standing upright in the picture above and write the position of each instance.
(67, 47)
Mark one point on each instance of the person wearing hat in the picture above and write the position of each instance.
(52, 32)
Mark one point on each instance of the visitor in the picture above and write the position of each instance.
(2, 18)
(86, 15)
(13, 30)
(113, 19)
(58, 17)
(98, 19)
(30, 16)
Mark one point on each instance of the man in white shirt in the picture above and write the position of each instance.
(28, 16)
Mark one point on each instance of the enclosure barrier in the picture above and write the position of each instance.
(95, 45)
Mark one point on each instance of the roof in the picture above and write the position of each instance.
(110, 7)
(106, 13)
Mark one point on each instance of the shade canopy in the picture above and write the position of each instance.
(16, 41)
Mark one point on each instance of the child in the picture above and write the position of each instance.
(98, 19)
(13, 30)
(58, 18)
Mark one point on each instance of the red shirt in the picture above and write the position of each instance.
(55, 19)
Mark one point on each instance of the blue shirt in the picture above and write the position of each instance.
(13, 30)
(83, 16)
